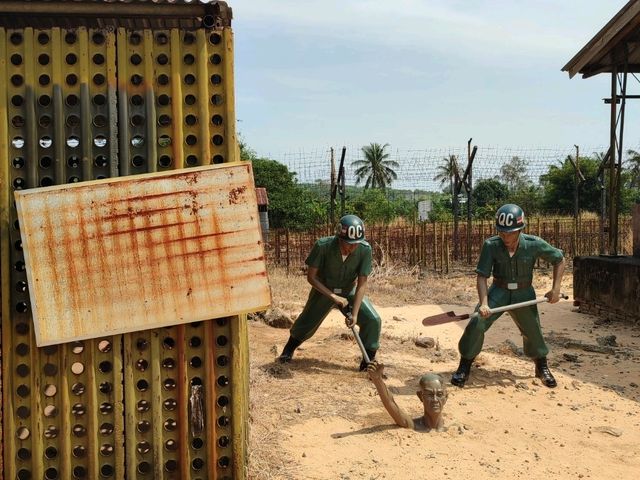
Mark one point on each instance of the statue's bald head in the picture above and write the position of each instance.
(431, 379)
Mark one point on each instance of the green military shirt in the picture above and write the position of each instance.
(334, 273)
(495, 260)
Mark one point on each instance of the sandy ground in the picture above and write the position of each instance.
(319, 418)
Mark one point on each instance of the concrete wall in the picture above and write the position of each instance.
(608, 287)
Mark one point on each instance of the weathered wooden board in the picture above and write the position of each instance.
(138, 252)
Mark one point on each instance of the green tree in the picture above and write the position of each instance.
(514, 174)
(375, 169)
(488, 195)
(290, 205)
(558, 184)
(375, 206)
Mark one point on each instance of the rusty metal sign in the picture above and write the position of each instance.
(120, 255)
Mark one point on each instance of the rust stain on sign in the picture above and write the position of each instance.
(146, 251)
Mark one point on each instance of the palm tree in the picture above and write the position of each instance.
(375, 168)
(447, 172)
(634, 167)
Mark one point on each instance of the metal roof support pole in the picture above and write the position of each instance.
(613, 212)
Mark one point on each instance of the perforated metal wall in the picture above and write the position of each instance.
(84, 104)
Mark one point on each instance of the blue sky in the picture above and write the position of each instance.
(419, 74)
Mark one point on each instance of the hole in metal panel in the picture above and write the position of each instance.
(162, 59)
(70, 38)
(71, 58)
(215, 38)
(142, 385)
(46, 182)
(45, 142)
(18, 162)
(216, 120)
(164, 120)
(164, 141)
(165, 161)
(17, 142)
(189, 79)
(43, 38)
(223, 381)
(23, 370)
(168, 343)
(135, 38)
(73, 179)
(17, 121)
(104, 346)
(169, 384)
(142, 364)
(191, 140)
(78, 409)
(22, 307)
(142, 344)
(18, 245)
(50, 369)
(222, 340)
(137, 100)
(163, 79)
(106, 449)
(197, 443)
(51, 452)
(73, 141)
(192, 160)
(98, 59)
(77, 347)
(164, 100)
(105, 387)
(216, 79)
(143, 447)
(98, 79)
(170, 425)
(51, 431)
(162, 38)
(197, 464)
(44, 121)
(195, 362)
(222, 361)
(171, 465)
(51, 473)
(143, 426)
(50, 411)
(23, 412)
(79, 472)
(23, 474)
(16, 38)
(215, 59)
(77, 368)
(100, 99)
(216, 99)
(101, 161)
(22, 349)
(100, 141)
(168, 363)
(189, 38)
(189, 59)
(73, 161)
(43, 59)
(50, 390)
(143, 406)
(72, 79)
(136, 59)
(144, 467)
(100, 121)
(137, 120)
(170, 404)
(137, 161)
(72, 100)
(196, 381)
(44, 80)
(106, 470)
(79, 451)
(79, 430)
(190, 99)
(217, 140)
(136, 79)
(223, 401)
(105, 408)
(23, 391)
(137, 141)
(17, 100)
(106, 429)
(98, 38)
(191, 120)
(23, 454)
(78, 388)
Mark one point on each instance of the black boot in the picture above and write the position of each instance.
(371, 354)
(289, 348)
(461, 375)
(544, 374)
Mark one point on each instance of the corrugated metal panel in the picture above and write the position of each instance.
(140, 252)
(261, 194)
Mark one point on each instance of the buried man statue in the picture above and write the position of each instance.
(432, 394)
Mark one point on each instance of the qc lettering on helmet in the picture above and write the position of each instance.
(505, 219)
(354, 232)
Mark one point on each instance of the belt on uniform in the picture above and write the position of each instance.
(510, 285)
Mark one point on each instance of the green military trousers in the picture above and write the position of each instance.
(317, 308)
(527, 320)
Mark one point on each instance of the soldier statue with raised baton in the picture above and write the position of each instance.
(510, 257)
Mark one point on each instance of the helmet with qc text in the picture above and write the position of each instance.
(510, 218)
(351, 229)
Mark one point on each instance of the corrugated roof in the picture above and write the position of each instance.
(156, 14)
(606, 49)
(261, 195)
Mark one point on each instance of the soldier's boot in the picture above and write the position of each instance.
(461, 375)
(372, 355)
(289, 348)
(544, 374)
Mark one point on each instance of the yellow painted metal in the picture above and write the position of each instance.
(122, 399)
(5, 273)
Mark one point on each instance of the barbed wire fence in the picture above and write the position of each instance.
(417, 171)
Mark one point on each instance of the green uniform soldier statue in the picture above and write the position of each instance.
(338, 271)
(509, 257)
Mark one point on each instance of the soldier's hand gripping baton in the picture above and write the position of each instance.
(346, 311)
(452, 317)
